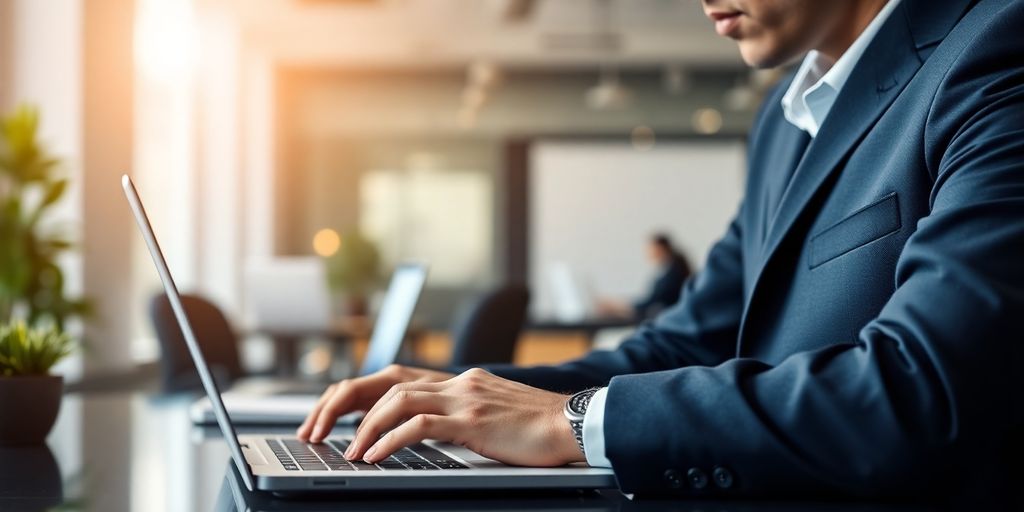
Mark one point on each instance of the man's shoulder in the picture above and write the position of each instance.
(989, 28)
(979, 63)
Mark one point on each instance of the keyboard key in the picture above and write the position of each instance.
(416, 457)
(362, 466)
(390, 463)
(436, 457)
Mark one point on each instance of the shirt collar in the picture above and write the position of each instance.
(818, 80)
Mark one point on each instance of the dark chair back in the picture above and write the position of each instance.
(213, 333)
(487, 328)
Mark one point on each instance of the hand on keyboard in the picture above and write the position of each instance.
(497, 418)
(358, 395)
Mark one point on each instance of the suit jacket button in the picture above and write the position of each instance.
(674, 479)
(722, 477)
(697, 478)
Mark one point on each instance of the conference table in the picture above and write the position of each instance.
(119, 451)
(341, 334)
(588, 327)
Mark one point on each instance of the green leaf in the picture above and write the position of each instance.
(54, 192)
(56, 245)
(32, 351)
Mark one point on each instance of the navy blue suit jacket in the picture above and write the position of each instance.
(858, 329)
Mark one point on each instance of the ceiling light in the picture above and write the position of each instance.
(326, 242)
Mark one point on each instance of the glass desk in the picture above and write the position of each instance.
(130, 451)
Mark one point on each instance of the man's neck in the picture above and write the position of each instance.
(859, 17)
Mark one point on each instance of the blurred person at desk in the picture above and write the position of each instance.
(856, 332)
(673, 270)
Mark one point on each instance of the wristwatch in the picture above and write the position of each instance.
(576, 410)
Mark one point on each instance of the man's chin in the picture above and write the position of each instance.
(758, 56)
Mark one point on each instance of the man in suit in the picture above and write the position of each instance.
(857, 330)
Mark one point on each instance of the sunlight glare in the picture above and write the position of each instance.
(166, 40)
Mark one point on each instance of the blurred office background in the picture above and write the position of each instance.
(285, 147)
(494, 139)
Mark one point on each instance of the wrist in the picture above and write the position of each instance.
(566, 447)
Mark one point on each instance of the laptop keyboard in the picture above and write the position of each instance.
(295, 455)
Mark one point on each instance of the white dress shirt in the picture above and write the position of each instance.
(593, 431)
(819, 79)
(805, 105)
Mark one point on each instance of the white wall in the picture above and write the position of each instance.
(593, 205)
(221, 179)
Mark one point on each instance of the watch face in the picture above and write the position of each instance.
(579, 402)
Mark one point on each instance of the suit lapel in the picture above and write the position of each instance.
(887, 65)
(791, 145)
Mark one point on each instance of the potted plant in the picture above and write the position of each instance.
(29, 396)
(354, 271)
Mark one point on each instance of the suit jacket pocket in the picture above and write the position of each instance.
(864, 226)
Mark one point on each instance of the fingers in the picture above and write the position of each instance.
(307, 426)
(391, 411)
(340, 402)
(350, 395)
(394, 390)
(420, 427)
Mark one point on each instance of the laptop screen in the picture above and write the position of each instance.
(395, 315)
(212, 392)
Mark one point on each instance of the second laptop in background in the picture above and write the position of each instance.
(264, 405)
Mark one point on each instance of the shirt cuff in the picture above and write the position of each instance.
(593, 431)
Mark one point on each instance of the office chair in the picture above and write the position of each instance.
(213, 333)
(487, 328)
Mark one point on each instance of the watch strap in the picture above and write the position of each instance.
(576, 410)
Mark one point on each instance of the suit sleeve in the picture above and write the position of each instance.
(931, 380)
(701, 329)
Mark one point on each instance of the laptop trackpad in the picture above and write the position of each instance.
(253, 456)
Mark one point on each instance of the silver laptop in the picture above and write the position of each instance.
(276, 402)
(234, 497)
(279, 463)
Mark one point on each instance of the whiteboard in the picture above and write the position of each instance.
(593, 206)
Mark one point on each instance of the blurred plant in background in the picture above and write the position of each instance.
(353, 271)
(31, 351)
(31, 183)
